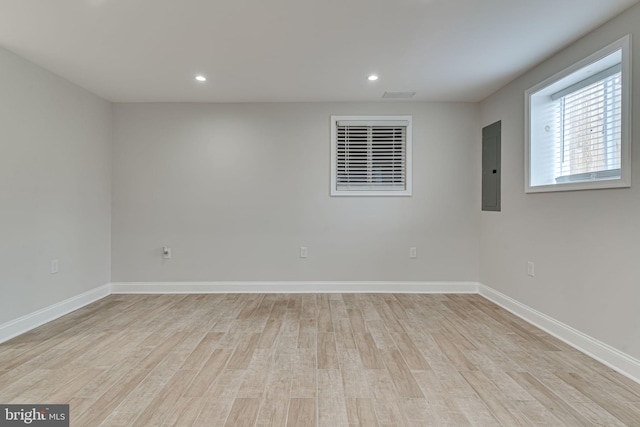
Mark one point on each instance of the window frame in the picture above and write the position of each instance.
(624, 46)
(334, 191)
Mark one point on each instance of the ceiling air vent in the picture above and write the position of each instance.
(398, 95)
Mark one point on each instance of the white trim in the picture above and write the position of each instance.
(294, 287)
(23, 324)
(604, 353)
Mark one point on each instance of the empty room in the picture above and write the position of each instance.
(319, 213)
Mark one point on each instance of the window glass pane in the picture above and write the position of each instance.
(590, 121)
(371, 156)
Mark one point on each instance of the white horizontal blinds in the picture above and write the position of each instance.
(590, 124)
(371, 155)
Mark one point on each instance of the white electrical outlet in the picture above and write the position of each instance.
(55, 266)
(304, 252)
(413, 253)
(531, 269)
(166, 252)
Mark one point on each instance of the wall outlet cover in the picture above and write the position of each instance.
(55, 266)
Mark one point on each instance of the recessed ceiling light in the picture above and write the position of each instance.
(201, 78)
(372, 77)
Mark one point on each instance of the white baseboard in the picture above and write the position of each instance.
(24, 324)
(294, 287)
(613, 358)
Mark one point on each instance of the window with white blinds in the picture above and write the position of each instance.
(590, 122)
(579, 127)
(371, 155)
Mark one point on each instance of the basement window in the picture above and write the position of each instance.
(371, 155)
(578, 125)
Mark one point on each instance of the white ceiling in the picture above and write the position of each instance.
(294, 50)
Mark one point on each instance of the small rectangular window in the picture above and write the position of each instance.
(578, 125)
(370, 156)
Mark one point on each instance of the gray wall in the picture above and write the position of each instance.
(236, 189)
(55, 172)
(585, 244)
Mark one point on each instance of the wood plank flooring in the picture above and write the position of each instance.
(309, 360)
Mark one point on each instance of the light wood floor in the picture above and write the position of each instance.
(309, 360)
